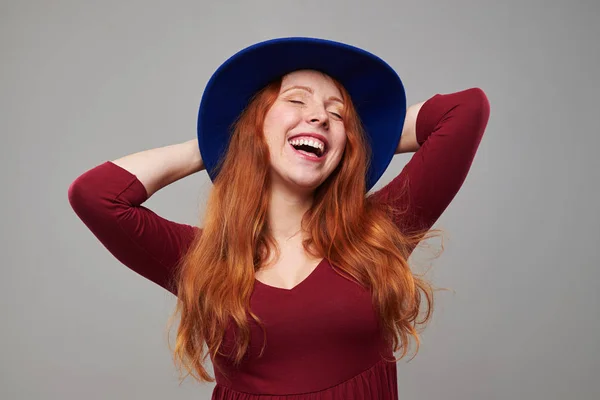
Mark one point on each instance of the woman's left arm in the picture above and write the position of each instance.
(445, 131)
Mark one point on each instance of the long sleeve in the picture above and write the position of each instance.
(449, 128)
(108, 200)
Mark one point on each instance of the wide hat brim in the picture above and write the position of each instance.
(375, 88)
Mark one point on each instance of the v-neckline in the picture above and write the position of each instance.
(298, 285)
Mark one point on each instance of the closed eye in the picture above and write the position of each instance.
(296, 101)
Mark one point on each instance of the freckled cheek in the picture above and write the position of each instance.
(276, 141)
(281, 122)
(340, 142)
(289, 120)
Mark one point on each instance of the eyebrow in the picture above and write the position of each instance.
(309, 90)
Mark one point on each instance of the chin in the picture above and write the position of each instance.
(306, 183)
(300, 179)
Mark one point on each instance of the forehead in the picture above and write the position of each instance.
(316, 80)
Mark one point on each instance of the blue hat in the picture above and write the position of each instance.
(376, 91)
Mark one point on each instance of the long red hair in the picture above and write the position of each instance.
(355, 233)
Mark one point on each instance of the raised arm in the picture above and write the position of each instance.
(108, 199)
(448, 129)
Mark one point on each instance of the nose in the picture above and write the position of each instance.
(318, 116)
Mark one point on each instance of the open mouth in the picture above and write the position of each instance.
(309, 150)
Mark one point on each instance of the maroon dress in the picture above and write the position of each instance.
(323, 338)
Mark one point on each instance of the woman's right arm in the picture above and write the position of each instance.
(108, 199)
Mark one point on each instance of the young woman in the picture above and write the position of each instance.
(297, 286)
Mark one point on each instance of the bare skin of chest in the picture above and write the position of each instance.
(292, 267)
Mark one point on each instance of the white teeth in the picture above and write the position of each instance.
(313, 143)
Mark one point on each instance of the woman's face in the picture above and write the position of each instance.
(308, 104)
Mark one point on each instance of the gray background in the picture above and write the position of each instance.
(85, 82)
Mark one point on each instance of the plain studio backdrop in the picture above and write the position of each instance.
(83, 82)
